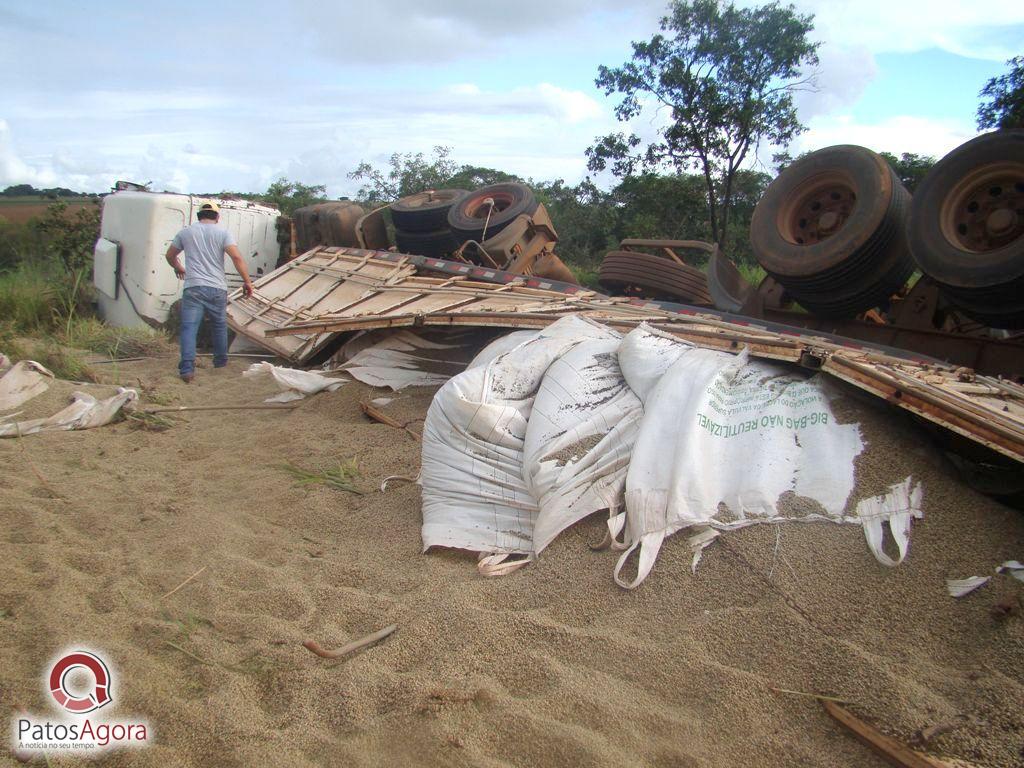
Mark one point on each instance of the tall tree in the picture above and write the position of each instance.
(409, 173)
(726, 76)
(289, 196)
(910, 167)
(1003, 99)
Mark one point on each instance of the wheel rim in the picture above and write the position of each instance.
(818, 209)
(985, 210)
(479, 208)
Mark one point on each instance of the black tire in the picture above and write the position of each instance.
(425, 211)
(468, 217)
(657, 277)
(830, 229)
(966, 227)
(436, 245)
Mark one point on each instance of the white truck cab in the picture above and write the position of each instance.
(134, 284)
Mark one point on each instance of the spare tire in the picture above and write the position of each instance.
(657, 277)
(830, 229)
(437, 244)
(966, 227)
(474, 213)
(425, 211)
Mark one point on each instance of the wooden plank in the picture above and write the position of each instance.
(893, 392)
(892, 751)
(963, 406)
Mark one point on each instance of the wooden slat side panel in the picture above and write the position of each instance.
(345, 290)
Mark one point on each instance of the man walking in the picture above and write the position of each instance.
(206, 291)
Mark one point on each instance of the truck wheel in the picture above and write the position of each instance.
(654, 276)
(469, 216)
(437, 245)
(426, 211)
(966, 227)
(830, 229)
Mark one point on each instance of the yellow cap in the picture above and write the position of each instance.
(210, 207)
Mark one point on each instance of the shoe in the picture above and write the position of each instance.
(187, 377)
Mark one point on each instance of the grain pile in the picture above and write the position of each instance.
(553, 665)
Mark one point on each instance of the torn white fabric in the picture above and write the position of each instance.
(401, 340)
(896, 508)
(22, 382)
(394, 375)
(84, 412)
(961, 587)
(1013, 568)
(295, 383)
(400, 359)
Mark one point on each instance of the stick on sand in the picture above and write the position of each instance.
(186, 581)
(178, 408)
(378, 415)
(818, 696)
(345, 650)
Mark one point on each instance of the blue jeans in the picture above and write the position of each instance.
(196, 301)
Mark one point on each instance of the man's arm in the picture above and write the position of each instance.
(172, 259)
(239, 262)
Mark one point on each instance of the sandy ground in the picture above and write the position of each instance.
(553, 665)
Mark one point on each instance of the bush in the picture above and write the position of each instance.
(27, 299)
(92, 334)
(71, 237)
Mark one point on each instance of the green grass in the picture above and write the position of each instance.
(27, 299)
(752, 273)
(46, 316)
(149, 422)
(342, 477)
(586, 276)
(92, 334)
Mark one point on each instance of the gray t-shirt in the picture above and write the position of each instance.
(204, 244)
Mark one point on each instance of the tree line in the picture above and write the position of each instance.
(51, 193)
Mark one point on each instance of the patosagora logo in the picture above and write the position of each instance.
(79, 683)
(97, 697)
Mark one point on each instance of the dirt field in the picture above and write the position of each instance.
(553, 665)
(20, 210)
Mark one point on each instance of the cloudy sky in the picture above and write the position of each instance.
(232, 95)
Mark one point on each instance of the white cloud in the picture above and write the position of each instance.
(14, 170)
(464, 89)
(898, 134)
(316, 136)
(842, 75)
(452, 30)
(903, 26)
